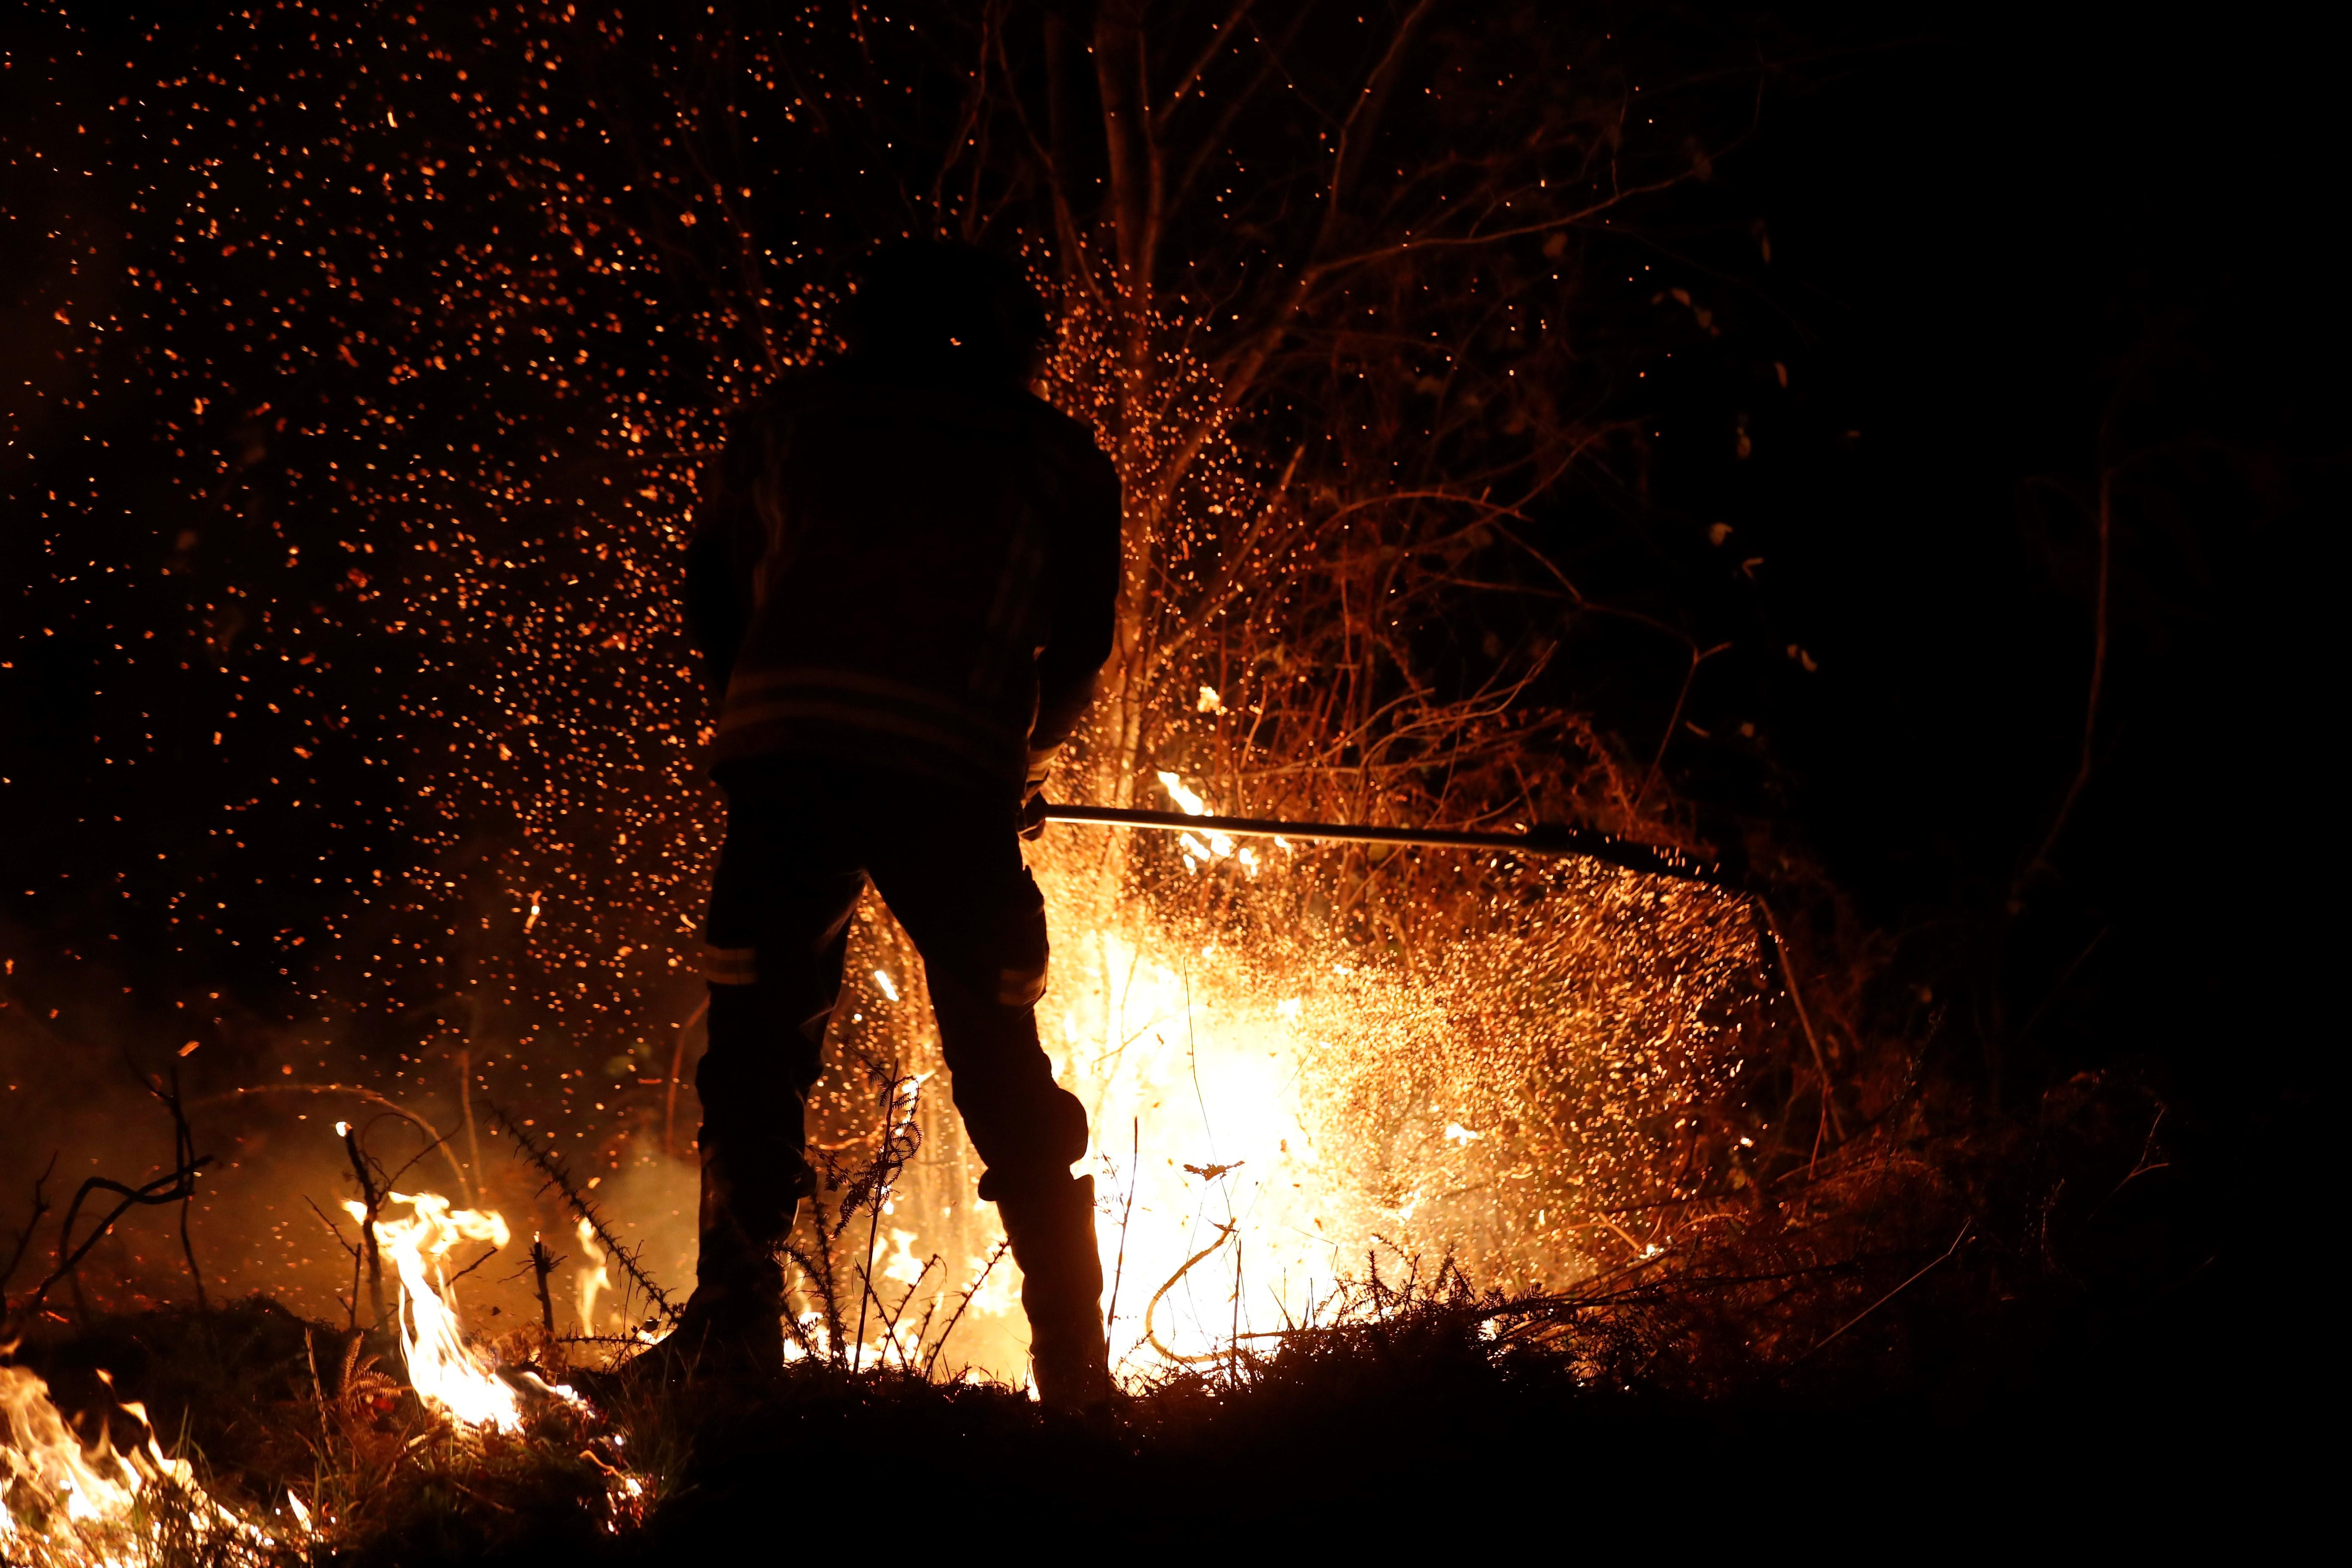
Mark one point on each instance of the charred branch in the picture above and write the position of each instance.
(24, 1236)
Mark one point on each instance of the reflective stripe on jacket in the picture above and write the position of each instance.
(922, 577)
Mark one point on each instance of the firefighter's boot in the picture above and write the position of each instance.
(1052, 1228)
(733, 1323)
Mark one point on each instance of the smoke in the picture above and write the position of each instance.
(84, 1063)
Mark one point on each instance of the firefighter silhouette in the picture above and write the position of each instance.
(903, 579)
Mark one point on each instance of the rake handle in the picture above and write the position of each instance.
(1576, 842)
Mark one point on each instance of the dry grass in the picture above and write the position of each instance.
(1826, 1325)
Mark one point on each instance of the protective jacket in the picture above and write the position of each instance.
(917, 577)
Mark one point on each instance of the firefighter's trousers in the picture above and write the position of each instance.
(802, 839)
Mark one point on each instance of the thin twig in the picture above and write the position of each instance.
(940, 1344)
(183, 1152)
(1804, 1018)
(551, 1165)
(168, 1188)
(541, 1266)
(677, 1065)
(365, 1169)
(24, 1236)
(318, 1389)
(485, 1257)
(2104, 518)
(457, 1168)
(466, 1100)
(1890, 1295)
(332, 1228)
(890, 1326)
(1134, 1180)
(173, 1186)
(899, 1141)
(1673, 718)
(1224, 1232)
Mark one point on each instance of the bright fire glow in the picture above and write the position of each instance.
(1272, 1107)
(445, 1372)
(64, 1507)
(1227, 1161)
(1219, 846)
(595, 1276)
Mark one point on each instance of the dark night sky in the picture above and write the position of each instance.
(2032, 230)
(2023, 241)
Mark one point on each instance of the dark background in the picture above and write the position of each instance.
(2034, 247)
(2024, 244)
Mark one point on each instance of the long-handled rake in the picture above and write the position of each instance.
(1548, 840)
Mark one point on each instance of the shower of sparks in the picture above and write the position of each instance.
(412, 419)
(408, 346)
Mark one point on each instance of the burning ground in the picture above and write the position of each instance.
(1378, 1230)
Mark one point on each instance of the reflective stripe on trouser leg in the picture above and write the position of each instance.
(1021, 985)
(730, 965)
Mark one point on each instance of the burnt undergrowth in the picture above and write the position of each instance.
(2006, 1317)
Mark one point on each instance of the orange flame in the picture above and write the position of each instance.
(62, 1506)
(445, 1372)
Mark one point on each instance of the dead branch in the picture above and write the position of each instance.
(1804, 1019)
(176, 1185)
(2103, 516)
(463, 1182)
(183, 1154)
(1225, 1233)
(24, 1236)
(170, 1187)
(541, 1266)
(352, 1302)
(1907, 1284)
(371, 1193)
(551, 1165)
(332, 1228)
(890, 1323)
(485, 1257)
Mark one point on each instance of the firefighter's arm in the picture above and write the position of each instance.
(1083, 575)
